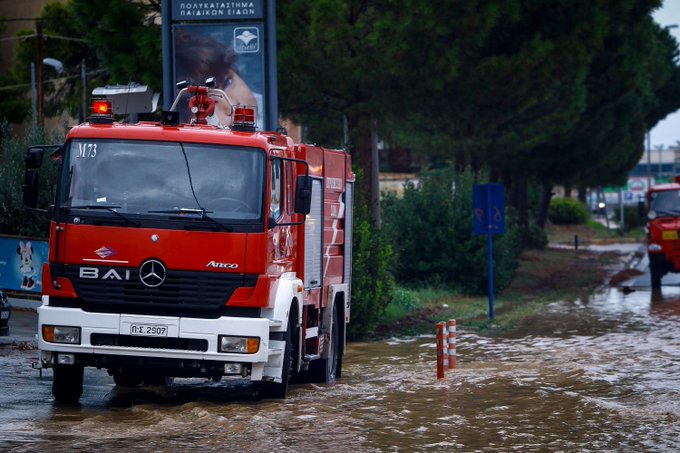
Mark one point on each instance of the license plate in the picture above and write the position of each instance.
(4, 315)
(149, 330)
(669, 235)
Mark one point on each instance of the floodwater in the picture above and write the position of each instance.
(590, 375)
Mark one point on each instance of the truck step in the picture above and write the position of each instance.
(309, 357)
(311, 332)
(273, 323)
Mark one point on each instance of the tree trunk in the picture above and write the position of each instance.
(375, 175)
(582, 193)
(542, 215)
(361, 129)
(567, 191)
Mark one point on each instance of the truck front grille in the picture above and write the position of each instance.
(128, 341)
(183, 293)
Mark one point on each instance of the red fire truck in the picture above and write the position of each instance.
(663, 223)
(193, 250)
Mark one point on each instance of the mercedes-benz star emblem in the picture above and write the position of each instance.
(152, 273)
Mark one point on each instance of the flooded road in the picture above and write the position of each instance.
(590, 375)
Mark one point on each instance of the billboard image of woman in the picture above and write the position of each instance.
(232, 55)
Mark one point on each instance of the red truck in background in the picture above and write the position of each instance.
(193, 250)
(662, 207)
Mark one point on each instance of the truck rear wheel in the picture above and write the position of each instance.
(67, 384)
(326, 370)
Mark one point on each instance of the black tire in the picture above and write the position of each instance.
(127, 378)
(655, 275)
(275, 390)
(67, 385)
(326, 370)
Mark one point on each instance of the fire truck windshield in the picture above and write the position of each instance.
(665, 203)
(144, 178)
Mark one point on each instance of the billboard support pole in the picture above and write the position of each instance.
(166, 20)
(272, 88)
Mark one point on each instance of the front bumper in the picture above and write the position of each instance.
(189, 349)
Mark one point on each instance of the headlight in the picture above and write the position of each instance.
(239, 345)
(61, 334)
(655, 248)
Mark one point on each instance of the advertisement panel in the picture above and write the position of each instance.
(233, 54)
(21, 263)
(216, 10)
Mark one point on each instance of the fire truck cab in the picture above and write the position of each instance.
(193, 250)
(662, 208)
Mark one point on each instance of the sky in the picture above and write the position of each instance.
(667, 131)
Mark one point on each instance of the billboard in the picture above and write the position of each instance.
(216, 10)
(233, 53)
(21, 263)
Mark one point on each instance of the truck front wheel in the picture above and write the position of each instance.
(276, 390)
(67, 384)
(655, 274)
(127, 378)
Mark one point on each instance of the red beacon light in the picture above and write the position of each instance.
(243, 118)
(102, 111)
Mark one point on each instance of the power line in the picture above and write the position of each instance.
(45, 35)
(56, 79)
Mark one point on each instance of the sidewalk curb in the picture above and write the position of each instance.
(30, 304)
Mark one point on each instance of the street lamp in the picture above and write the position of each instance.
(56, 64)
(37, 99)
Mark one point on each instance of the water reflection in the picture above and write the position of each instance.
(598, 373)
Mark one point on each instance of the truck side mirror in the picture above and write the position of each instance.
(303, 194)
(30, 188)
(34, 158)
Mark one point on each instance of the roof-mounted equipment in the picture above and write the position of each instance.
(102, 111)
(243, 118)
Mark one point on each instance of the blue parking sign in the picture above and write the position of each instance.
(488, 204)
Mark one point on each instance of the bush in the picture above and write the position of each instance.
(372, 281)
(14, 218)
(535, 237)
(430, 229)
(567, 211)
(631, 218)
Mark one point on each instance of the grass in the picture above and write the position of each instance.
(543, 277)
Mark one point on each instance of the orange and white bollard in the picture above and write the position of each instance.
(452, 344)
(440, 349)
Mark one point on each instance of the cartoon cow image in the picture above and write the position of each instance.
(26, 265)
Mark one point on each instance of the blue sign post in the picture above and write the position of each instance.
(488, 204)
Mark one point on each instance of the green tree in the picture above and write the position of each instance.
(14, 218)
(126, 37)
(327, 72)
(118, 41)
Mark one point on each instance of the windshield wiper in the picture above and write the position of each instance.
(110, 208)
(194, 211)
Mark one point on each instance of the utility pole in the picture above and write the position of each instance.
(83, 92)
(39, 66)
